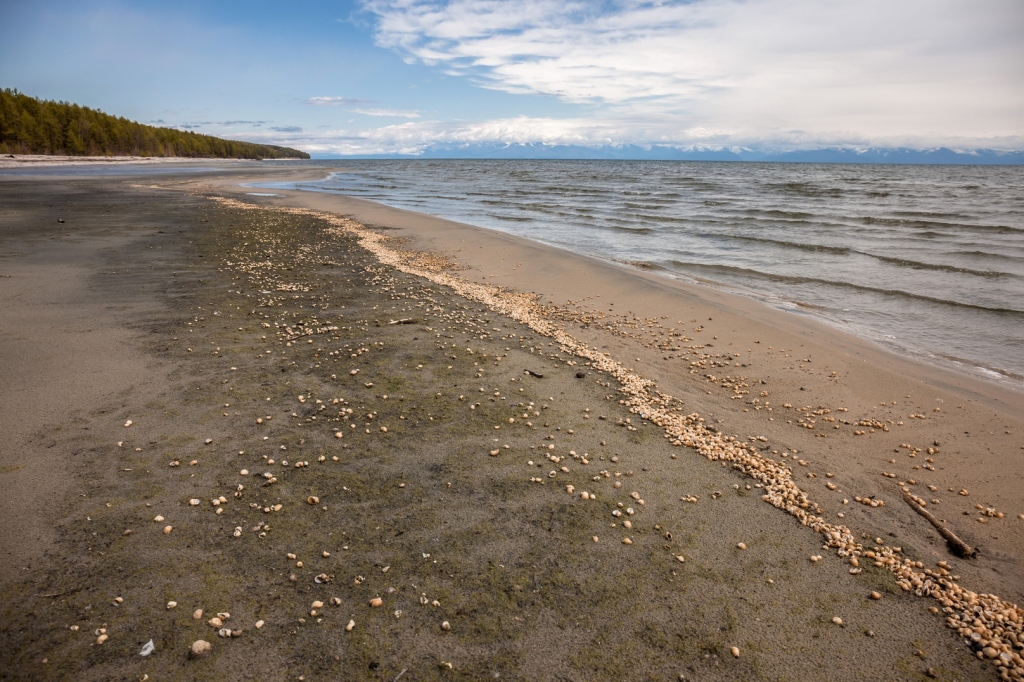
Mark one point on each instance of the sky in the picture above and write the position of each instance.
(401, 76)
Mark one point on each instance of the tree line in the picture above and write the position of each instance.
(32, 126)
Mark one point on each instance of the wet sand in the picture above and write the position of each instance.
(183, 290)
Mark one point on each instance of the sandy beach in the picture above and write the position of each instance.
(392, 446)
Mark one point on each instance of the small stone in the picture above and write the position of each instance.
(317, 604)
(128, 423)
(735, 651)
(102, 638)
(200, 648)
(837, 620)
(168, 529)
(351, 624)
(215, 623)
(171, 604)
(197, 614)
(741, 545)
(446, 626)
(260, 624)
(375, 602)
(875, 595)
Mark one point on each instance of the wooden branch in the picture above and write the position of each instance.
(404, 320)
(956, 545)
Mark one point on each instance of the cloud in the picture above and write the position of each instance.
(336, 101)
(414, 137)
(387, 112)
(242, 123)
(770, 70)
(286, 129)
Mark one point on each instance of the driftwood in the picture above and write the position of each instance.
(956, 545)
(533, 374)
(405, 320)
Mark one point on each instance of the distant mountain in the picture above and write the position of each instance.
(496, 150)
(33, 126)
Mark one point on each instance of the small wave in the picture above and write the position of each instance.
(645, 265)
(803, 246)
(932, 225)
(807, 189)
(509, 218)
(918, 265)
(796, 279)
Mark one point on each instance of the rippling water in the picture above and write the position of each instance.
(926, 259)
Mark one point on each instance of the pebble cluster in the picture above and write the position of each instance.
(992, 626)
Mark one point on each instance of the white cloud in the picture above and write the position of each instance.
(415, 136)
(335, 101)
(387, 112)
(780, 72)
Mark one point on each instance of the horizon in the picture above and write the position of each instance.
(420, 78)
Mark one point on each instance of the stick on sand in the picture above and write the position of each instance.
(956, 545)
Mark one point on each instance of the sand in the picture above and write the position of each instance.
(526, 590)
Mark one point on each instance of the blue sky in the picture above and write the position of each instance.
(379, 76)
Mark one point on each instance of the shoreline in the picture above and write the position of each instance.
(975, 369)
(430, 235)
(173, 264)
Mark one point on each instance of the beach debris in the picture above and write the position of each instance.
(955, 544)
(147, 648)
(533, 374)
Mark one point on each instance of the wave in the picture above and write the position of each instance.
(796, 279)
(935, 224)
(918, 265)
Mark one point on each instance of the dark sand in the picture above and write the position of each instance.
(176, 345)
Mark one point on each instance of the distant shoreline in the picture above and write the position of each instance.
(48, 160)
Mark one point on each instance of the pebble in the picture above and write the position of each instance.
(201, 647)
(167, 530)
(837, 620)
(260, 624)
(351, 624)
(375, 602)
(741, 545)
(197, 614)
(171, 605)
(446, 626)
(735, 651)
(102, 638)
(215, 623)
(875, 595)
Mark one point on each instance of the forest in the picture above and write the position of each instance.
(33, 126)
